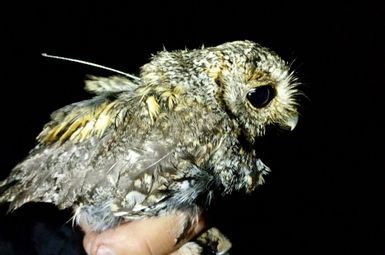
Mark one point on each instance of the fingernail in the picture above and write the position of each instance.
(102, 250)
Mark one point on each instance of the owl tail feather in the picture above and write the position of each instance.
(10, 192)
(5, 186)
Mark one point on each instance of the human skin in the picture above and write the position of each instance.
(152, 236)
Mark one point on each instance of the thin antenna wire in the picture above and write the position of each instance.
(90, 64)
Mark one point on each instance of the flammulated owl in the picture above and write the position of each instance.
(169, 140)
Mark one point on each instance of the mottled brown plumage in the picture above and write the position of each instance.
(173, 139)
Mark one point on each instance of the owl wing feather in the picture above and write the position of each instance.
(86, 149)
(113, 84)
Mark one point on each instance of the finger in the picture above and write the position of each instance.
(88, 241)
(152, 236)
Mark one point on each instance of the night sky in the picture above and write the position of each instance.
(325, 194)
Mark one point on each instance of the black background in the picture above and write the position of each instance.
(325, 194)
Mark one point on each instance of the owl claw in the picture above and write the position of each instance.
(261, 167)
(215, 242)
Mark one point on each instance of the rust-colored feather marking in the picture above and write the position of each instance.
(152, 107)
(80, 124)
(170, 96)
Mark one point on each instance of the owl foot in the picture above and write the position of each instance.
(210, 242)
(214, 242)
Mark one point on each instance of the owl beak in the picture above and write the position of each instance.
(292, 122)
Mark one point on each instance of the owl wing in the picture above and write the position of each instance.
(88, 148)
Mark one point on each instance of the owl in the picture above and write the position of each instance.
(172, 139)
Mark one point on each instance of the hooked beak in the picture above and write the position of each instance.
(292, 122)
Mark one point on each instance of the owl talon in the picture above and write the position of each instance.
(214, 242)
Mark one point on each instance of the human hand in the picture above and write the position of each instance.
(152, 236)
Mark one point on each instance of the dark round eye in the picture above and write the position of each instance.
(260, 96)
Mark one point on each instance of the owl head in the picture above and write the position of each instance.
(256, 87)
(251, 83)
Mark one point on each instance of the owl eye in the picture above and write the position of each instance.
(261, 96)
